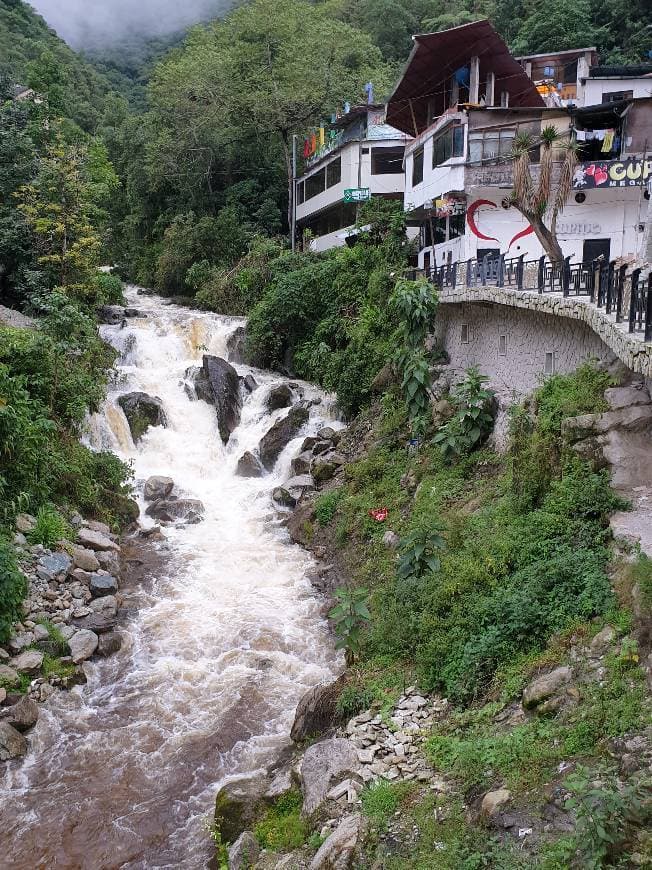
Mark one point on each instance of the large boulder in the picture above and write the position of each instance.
(12, 742)
(84, 558)
(235, 345)
(102, 584)
(82, 645)
(324, 765)
(317, 710)
(249, 466)
(94, 540)
(280, 396)
(236, 806)
(545, 687)
(493, 801)
(280, 435)
(338, 851)
(224, 386)
(53, 566)
(97, 623)
(109, 643)
(171, 510)
(243, 854)
(142, 411)
(22, 715)
(157, 487)
(28, 662)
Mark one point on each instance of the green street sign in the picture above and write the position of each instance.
(357, 194)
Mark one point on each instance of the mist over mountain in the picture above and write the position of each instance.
(96, 23)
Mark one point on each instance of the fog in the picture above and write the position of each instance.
(92, 23)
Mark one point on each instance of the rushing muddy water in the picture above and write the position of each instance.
(123, 772)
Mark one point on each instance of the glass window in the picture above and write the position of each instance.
(417, 167)
(301, 192)
(448, 144)
(456, 225)
(490, 145)
(316, 184)
(334, 172)
(386, 161)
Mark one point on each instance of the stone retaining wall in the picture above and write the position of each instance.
(533, 326)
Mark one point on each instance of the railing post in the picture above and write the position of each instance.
(483, 270)
(454, 274)
(619, 293)
(519, 272)
(610, 287)
(501, 271)
(648, 309)
(565, 276)
(541, 273)
(468, 273)
(633, 299)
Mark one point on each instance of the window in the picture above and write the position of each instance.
(334, 172)
(301, 192)
(386, 161)
(466, 334)
(438, 226)
(417, 167)
(488, 145)
(549, 368)
(502, 345)
(448, 144)
(549, 72)
(315, 184)
(616, 96)
(456, 225)
(330, 221)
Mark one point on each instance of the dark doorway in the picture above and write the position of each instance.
(594, 248)
(493, 253)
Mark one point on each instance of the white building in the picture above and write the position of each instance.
(362, 153)
(459, 168)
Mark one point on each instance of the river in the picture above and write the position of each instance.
(219, 647)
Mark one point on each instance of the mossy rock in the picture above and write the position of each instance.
(237, 806)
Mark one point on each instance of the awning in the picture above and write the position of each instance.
(435, 57)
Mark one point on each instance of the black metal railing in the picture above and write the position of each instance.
(607, 285)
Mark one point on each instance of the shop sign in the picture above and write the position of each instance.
(635, 172)
(357, 194)
(579, 229)
(449, 205)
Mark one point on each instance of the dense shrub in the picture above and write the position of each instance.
(13, 588)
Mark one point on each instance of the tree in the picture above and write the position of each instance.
(555, 25)
(542, 201)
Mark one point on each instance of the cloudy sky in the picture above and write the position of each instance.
(92, 22)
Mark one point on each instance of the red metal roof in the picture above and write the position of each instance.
(436, 56)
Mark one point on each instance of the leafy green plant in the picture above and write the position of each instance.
(381, 799)
(282, 828)
(472, 419)
(350, 614)
(326, 506)
(415, 303)
(13, 588)
(50, 527)
(606, 813)
(419, 553)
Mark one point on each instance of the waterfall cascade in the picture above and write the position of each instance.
(221, 645)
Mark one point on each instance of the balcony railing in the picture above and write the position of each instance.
(605, 284)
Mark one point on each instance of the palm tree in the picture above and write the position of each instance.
(543, 201)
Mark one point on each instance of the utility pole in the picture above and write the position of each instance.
(293, 227)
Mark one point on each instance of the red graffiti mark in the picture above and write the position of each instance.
(470, 217)
(526, 232)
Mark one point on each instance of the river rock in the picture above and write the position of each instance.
(283, 498)
(317, 710)
(28, 662)
(493, 801)
(545, 686)
(96, 540)
(280, 435)
(12, 743)
(53, 566)
(236, 806)
(23, 715)
(337, 852)
(300, 484)
(243, 854)
(170, 510)
(235, 345)
(324, 765)
(250, 383)
(323, 470)
(107, 605)
(112, 315)
(249, 466)
(84, 558)
(280, 396)
(102, 584)
(8, 674)
(19, 642)
(301, 463)
(225, 390)
(25, 523)
(82, 645)
(142, 411)
(327, 433)
(109, 643)
(157, 487)
(109, 561)
(96, 623)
